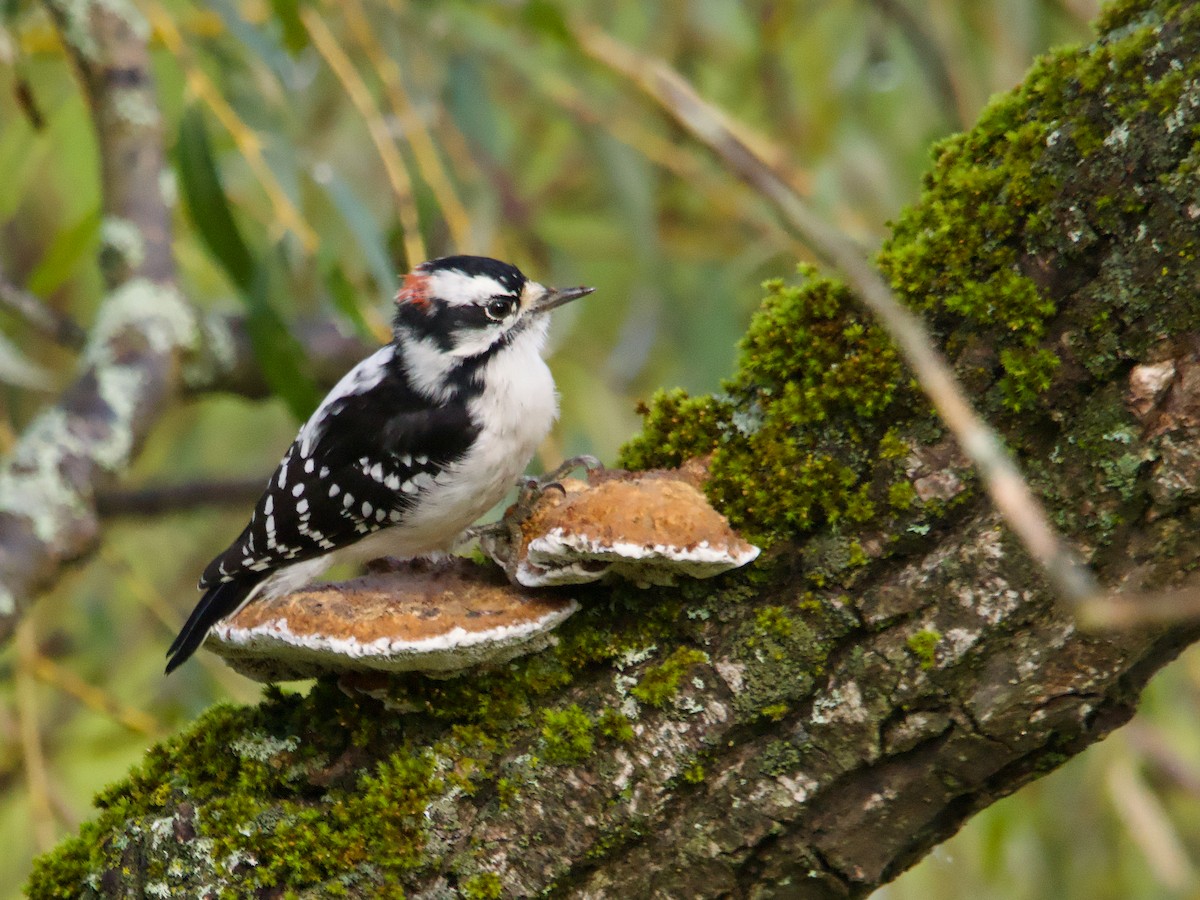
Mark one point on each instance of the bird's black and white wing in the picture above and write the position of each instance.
(326, 494)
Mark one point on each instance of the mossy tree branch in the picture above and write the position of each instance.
(893, 664)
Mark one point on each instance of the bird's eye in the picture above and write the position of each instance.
(498, 308)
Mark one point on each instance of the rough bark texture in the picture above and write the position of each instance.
(892, 665)
(46, 514)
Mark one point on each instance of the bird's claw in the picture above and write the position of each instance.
(502, 540)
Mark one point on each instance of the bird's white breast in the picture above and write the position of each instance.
(515, 411)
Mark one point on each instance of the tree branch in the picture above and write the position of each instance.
(49, 322)
(159, 499)
(131, 361)
(895, 661)
(223, 359)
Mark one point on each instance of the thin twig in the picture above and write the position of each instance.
(49, 322)
(1009, 492)
(679, 160)
(929, 56)
(248, 142)
(1149, 826)
(1133, 610)
(155, 501)
(41, 812)
(393, 163)
(49, 672)
(428, 160)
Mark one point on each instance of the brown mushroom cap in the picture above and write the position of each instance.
(647, 527)
(437, 618)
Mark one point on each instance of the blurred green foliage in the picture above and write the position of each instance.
(542, 158)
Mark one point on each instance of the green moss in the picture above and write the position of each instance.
(792, 435)
(781, 653)
(483, 886)
(1027, 374)
(774, 620)
(802, 435)
(779, 757)
(659, 684)
(567, 735)
(923, 645)
(694, 773)
(774, 711)
(901, 495)
(808, 443)
(615, 725)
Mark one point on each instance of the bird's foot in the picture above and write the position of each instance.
(533, 486)
(502, 540)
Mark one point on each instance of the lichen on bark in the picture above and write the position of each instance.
(814, 725)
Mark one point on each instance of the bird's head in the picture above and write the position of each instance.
(471, 306)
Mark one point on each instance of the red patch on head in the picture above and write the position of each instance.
(414, 290)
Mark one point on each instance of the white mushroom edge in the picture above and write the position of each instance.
(558, 558)
(454, 650)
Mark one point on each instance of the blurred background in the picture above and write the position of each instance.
(488, 128)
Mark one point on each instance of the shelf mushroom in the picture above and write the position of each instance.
(433, 617)
(646, 527)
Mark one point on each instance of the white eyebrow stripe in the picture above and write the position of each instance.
(459, 289)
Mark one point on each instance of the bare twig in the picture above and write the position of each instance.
(428, 160)
(51, 673)
(1132, 610)
(247, 140)
(1012, 496)
(224, 359)
(41, 811)
(1149, 826)
(393, 163)
(154, 501)
(49, 322)
(929, 56)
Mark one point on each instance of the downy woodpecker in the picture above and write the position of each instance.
(410, 447)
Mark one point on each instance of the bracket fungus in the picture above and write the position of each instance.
(433, 617)
(646, 527)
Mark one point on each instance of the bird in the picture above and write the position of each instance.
(410, 447)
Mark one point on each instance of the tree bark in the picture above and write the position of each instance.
(893, 664)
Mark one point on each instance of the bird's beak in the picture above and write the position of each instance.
(556, 297)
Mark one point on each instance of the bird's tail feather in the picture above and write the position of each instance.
(218, 602)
